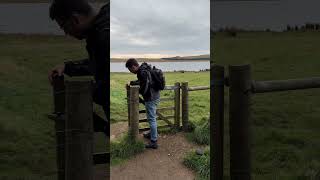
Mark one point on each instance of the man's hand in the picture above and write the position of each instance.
(56, 71)
(135, 83)
(141, 101)
(127, 86)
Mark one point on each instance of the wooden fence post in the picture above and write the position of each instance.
(59, 95)
(59, 110)
(185, 106)
(134, 112)
(239, 114)
(216, 121)
(79, 130)
(128, 102)
(177, 105)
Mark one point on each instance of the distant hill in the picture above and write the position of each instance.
(193, 58)
(177, 58)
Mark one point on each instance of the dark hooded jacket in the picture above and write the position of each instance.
(145, 81)
(98, 48)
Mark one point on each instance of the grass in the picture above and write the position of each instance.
(124, 148)
(199, 163)
(201, 134)
(28, 147)
(284, 125)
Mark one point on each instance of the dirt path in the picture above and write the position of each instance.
(117, 129)
(164, 163)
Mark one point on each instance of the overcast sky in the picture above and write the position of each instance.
(159, 28)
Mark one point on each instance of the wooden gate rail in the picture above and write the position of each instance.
(198, 88)
(159, 109)
(73, 118)
(285, 85)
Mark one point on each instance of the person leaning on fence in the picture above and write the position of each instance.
(150, 83)
(78, 19)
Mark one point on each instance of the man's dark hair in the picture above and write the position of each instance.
(63, 9)
(131, 62)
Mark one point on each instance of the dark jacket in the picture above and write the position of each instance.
(98, 48)
(145, 81)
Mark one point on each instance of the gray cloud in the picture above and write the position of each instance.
(160, 27)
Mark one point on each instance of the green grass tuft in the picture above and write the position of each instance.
(199, 163)
(125, 148)
(201, 133)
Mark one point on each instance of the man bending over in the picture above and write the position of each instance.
(150, 94)
(78, 19)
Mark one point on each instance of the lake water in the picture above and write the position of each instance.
(166, 66)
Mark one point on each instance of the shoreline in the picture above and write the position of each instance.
(160, 60)
(39, 36)
(179, 71)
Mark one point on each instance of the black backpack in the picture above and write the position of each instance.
(158, 79)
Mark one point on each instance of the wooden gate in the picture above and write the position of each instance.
(135, 118)
(135, 115)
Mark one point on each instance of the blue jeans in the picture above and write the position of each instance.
(151, 110)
